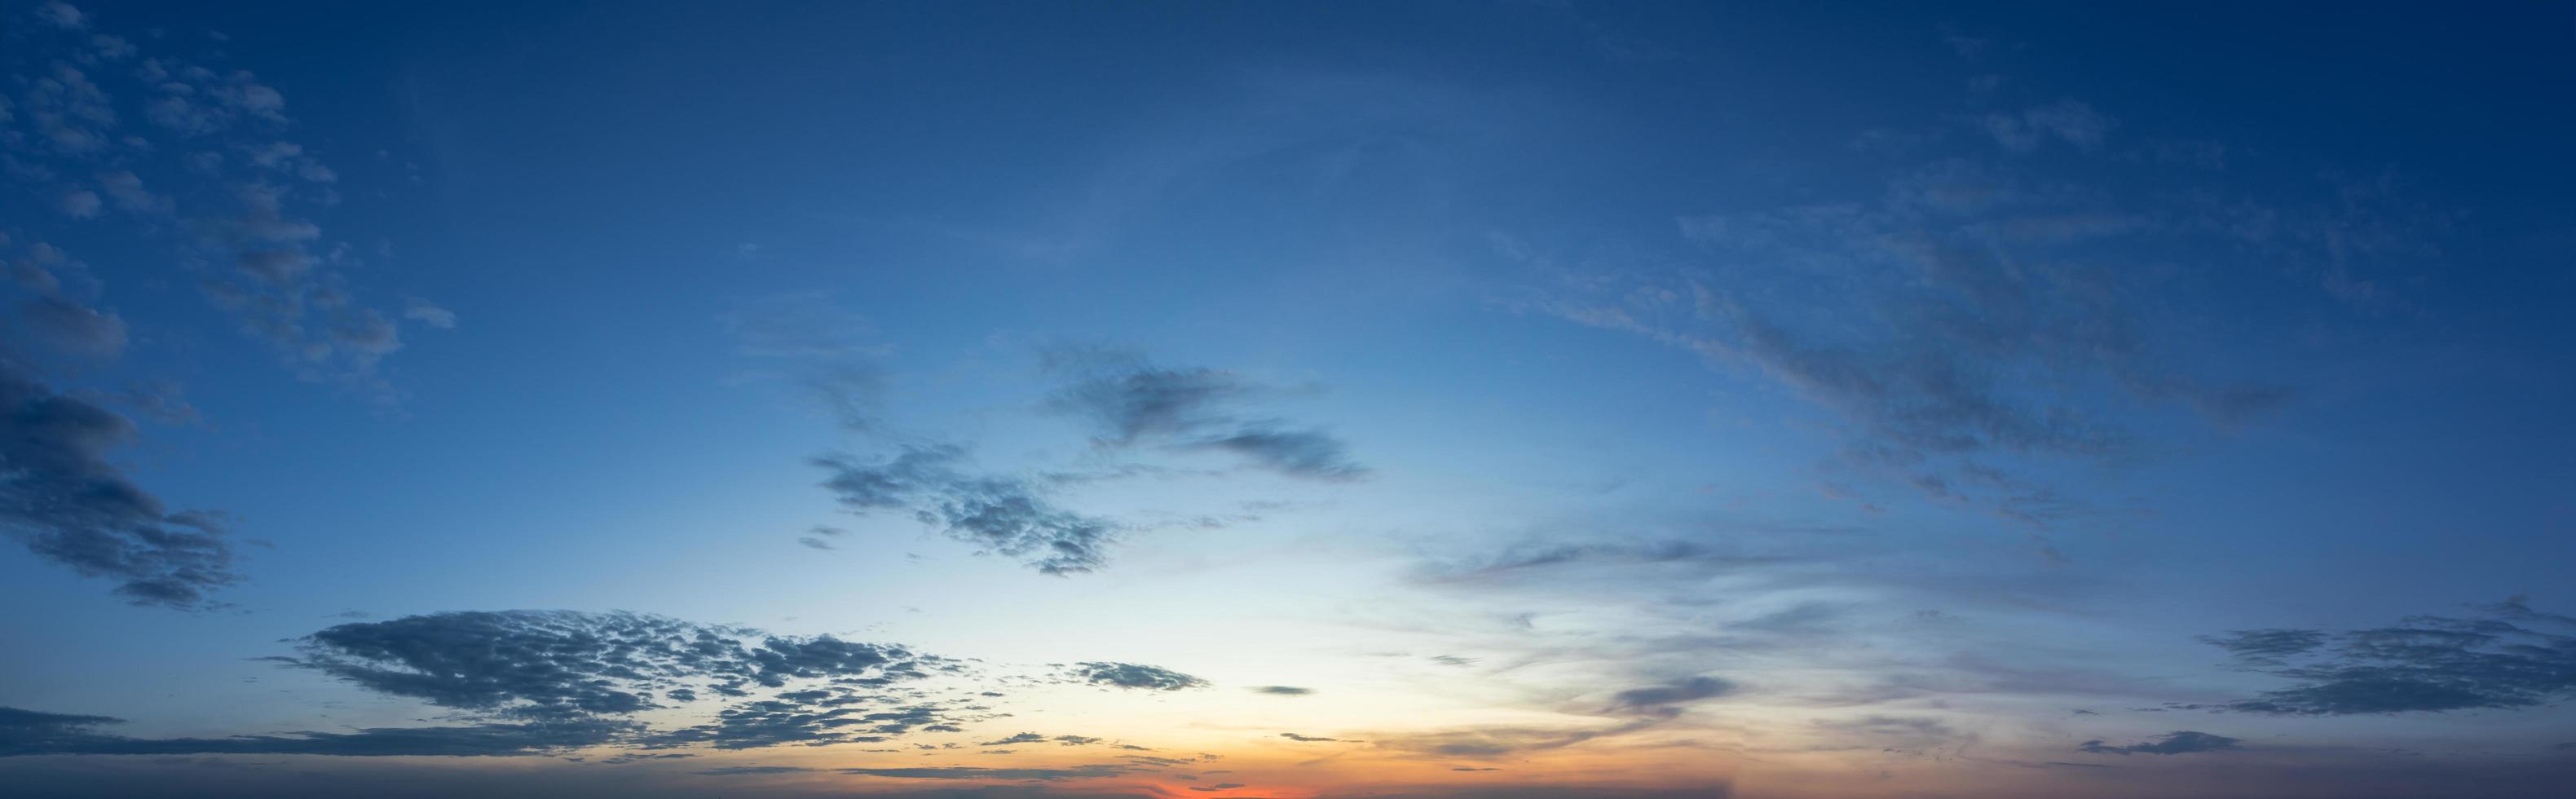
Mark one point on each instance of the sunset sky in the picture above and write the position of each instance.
(1514, 400)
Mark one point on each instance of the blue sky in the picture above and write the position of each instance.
(1522, 399)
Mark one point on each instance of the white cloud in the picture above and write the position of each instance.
(429, 313)
(61, 14)
(81, 204)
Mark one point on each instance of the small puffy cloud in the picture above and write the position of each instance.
(428, 313)
(81, 204)
(128, 192)
(61, 14)
(72, 327)
(1281, 690)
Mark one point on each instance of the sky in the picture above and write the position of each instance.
(1520, 400)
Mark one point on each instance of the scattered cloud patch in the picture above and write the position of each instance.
(2509, 657)
(1003, 514)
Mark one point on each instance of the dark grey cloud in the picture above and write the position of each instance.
(1308, 738)
(978, 773)
(1133, 675)
(1131, 402)
(2268, 643)
(1281, 690)
(2178, 742)
(782, 721)
(1302, 453)
(1022, 738)
(25, 732)
(2507, 658)
(565, 667)
(63, 498)
(552, 664)
(1001, 513)
(540, 681)
(1665, 700)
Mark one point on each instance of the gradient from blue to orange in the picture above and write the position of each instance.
(1521, 399)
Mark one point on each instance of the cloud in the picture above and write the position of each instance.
(81, 204)
(1631, 711)
(429, 313)
(2268, 643)
(1308, 738)
(246, 231)
(73, 327)
(1131, 402)
(2501, 660)
(1281, 690)
(2179, 742)
(826, 350)
(60, 14)
(1022, 738)
(129, 194)
(26, 732)
(1302, 453)
(540, 681)
(1906, 731)
(2066, 120)
(977, 773)
(69, 504)
(1133, 675)
(1665, 700)
(1966, 316)
(1546, 560)
(557, 664)
(1000, 513)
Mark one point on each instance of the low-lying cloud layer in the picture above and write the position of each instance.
(547, 681)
